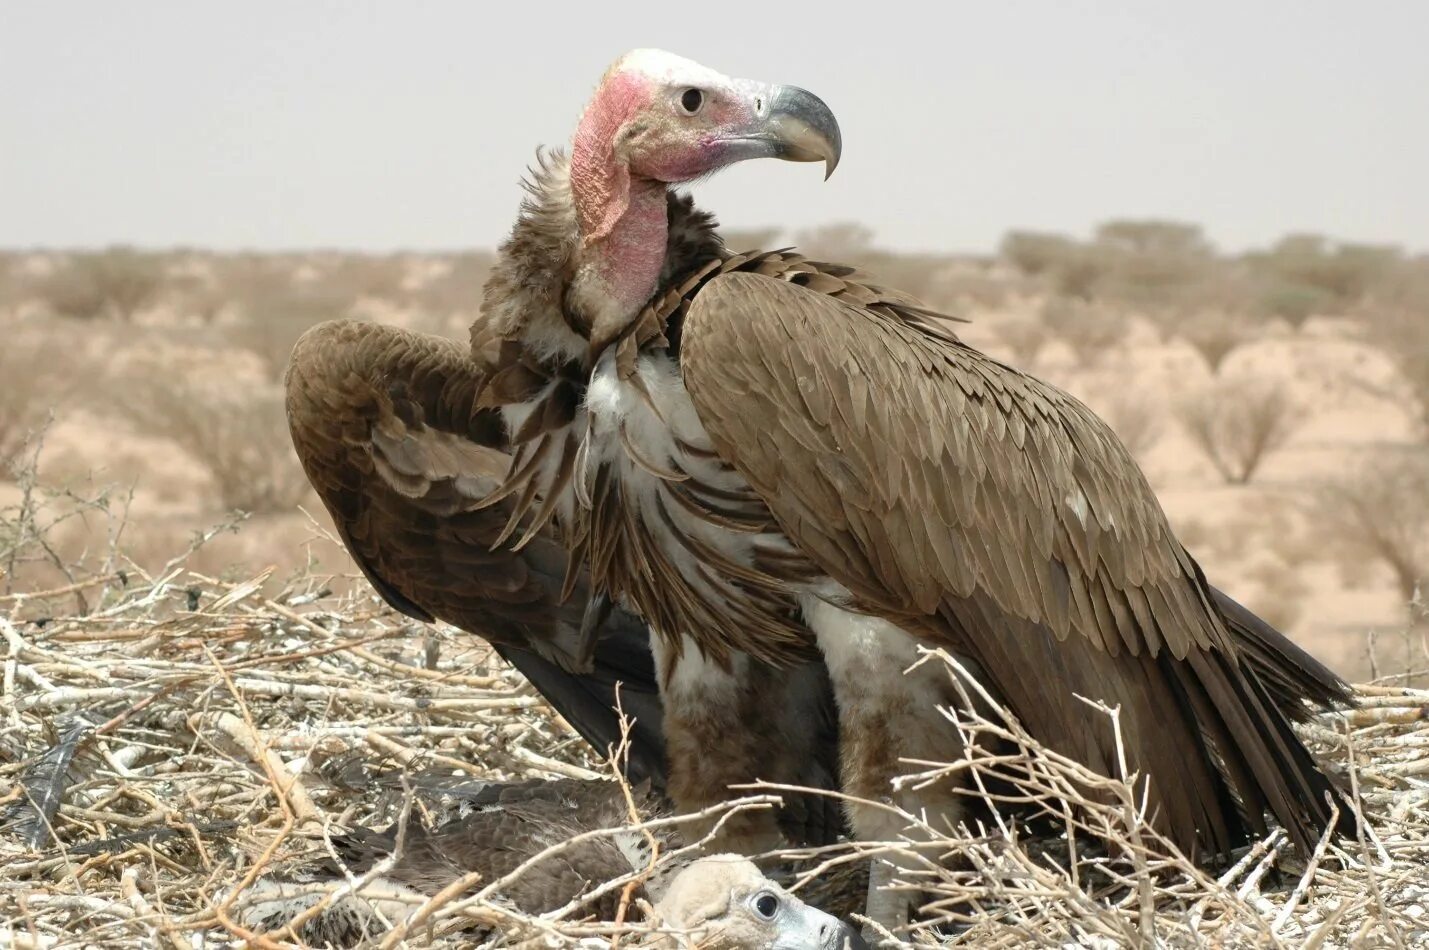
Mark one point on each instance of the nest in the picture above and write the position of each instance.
(167, 741)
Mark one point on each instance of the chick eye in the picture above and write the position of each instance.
(691, 100)
(766, 905)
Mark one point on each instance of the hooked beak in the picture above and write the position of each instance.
(847, 938)
(804, 927)
(789, 123)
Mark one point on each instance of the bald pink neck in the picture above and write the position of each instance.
(622, 216)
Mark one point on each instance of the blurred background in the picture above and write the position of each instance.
(1208, 221)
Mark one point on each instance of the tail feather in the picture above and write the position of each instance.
(1298, 684)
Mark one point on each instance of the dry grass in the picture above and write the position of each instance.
(33, 368)
(239, 433)
(1090, 331)
(1404, 335)
(169, 738)
(1214, 334)
(269, 324)
(1137, 421)
(1380, 510)
(1023, 337)
(1237, 423)
(115, 282)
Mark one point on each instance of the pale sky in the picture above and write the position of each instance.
(289, 124)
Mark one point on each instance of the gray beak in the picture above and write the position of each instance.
(846, 937)
(804, 128)
(801, 927)
(789, 123)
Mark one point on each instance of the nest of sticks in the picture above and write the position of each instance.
(168, 739)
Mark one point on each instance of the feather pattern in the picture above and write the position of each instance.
(1034, 545)
(768, 429)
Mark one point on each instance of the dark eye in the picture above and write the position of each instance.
(766, 905)
(691, 100)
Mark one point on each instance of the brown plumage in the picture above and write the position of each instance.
(388, 428)
(385, 424)
(544, 844)
(768, 457)
(996, 515)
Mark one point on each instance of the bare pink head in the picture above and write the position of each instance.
(658, 118)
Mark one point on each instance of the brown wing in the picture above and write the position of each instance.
(386, 425)
(998, 515)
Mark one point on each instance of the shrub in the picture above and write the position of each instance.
(1214, 335)
(1302, 265)
(12, 284)
(1136, 421)
(1237, 423)
(351, 276)
(239, 434)
(270, 325)
(847, 242)
(458, 291)
(1039, 252)
(1151, 262)
(33, 371)
(194, 297)
(115, 282)
(1023, 337)
(1380, 510)
(1404, 335)
(1296, 303)
(1089, 330)
(739, 240)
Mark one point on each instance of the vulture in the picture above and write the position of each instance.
(719, 901)
(794, 477)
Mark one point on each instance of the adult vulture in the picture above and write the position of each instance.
(768, 457)
(388, 430)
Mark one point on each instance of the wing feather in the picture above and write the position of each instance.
(387, 426)
(998, 515)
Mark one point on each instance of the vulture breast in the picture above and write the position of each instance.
(667, 512)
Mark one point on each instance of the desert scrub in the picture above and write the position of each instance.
(239, 433)
(116, 282)
(1238, 423)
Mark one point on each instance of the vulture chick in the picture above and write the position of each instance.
(768, 457)
(721, 901)
(725, 902)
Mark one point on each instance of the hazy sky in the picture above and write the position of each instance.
(386, 125)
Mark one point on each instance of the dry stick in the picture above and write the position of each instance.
(129, 887)
(428, 908)
(407, 669)
(358, 697)
(407, 755)
(24, 596)
(1298, 894)
(618, 756)
(547, 764)
(12, 660)
(290, 786)
(1360, 832)
(345, 645)
(251, 734)
(352, 886)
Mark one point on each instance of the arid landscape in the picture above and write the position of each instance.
(1278, 401)
(181, 724)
